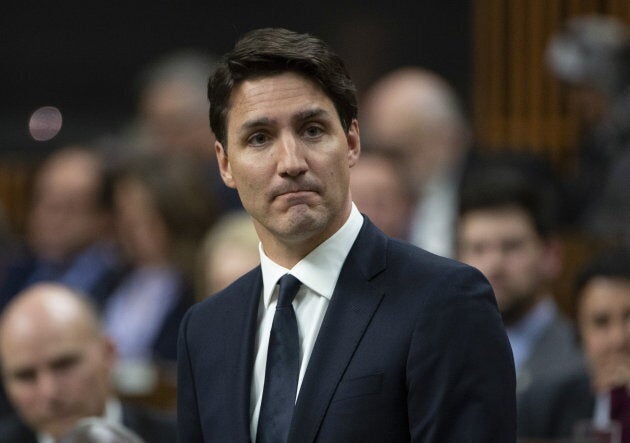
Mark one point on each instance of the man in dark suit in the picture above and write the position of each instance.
(382, 341)
(56, 368)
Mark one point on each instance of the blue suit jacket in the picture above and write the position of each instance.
(412, 348)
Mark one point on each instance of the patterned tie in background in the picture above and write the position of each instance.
(620, 411)
(283, 367)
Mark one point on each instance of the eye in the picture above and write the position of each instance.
(313, 131)
(65, 363)
(257, 139)
(26, 375)
(600, 320)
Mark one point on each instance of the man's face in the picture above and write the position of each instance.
(65, 216)
(378, 190)
(55, 374)
(504, 246)
(289, 158)
(604, 325)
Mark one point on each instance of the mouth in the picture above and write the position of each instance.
(295, 197)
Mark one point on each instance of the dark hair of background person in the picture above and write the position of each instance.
(610, 263)
(271, 51)
(513, 181)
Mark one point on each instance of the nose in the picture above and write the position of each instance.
(491, 261)
(47, 385)
(291, 160)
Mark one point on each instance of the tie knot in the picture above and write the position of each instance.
(289, 286)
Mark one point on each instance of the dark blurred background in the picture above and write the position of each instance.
(85, 57)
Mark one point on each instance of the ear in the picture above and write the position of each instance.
(354, 143)
(224, 165)
(109, 352)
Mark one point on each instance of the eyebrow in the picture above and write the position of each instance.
(298, 117)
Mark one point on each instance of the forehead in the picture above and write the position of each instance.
(33, 343)
(605, 293)
(275, 97)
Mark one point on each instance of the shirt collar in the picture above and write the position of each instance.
(320, 269)
(526, 331)
(113, 414)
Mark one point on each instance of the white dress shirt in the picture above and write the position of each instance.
(318, 272)
(433, 221)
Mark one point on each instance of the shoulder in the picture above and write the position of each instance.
(232, 294)
(12, 429)
(423, 271)
(151, 425)
(403, 259)
(231, 299)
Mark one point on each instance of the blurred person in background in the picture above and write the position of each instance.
(162, 211)
(415, 113)
(507, 229)
(602, 302)
(69, 235)
(56, 368)
(229, 250)
(172, 116)
(591, 55)
(381, 192)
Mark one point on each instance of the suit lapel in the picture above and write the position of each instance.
(240, 334)
(351, 308)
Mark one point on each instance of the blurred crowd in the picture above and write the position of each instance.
(125, 232)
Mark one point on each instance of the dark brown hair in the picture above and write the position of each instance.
(271, 51)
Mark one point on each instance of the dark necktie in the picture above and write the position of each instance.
(283, 367)
(620, 411)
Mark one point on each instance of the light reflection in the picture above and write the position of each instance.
(45, 123)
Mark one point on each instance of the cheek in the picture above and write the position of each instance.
(24, 398)
(594, 342)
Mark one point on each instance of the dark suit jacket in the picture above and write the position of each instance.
(551, 410)
(152, 428)
(411, 348)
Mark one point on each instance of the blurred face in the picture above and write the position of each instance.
(379, 192)
(65, 216)
(176, 119)
(604, 325)
(140, 227)
(54, 373)
(289, 158)
(504, 246)
(227, 263)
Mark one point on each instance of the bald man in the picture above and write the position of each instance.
(56, 367)
(415, 113)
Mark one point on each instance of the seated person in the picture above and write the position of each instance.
(229, 250)
(381, 192)
(56, 368)
(602, 300)
(68, 231)
(508, 230)
(161, 213)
